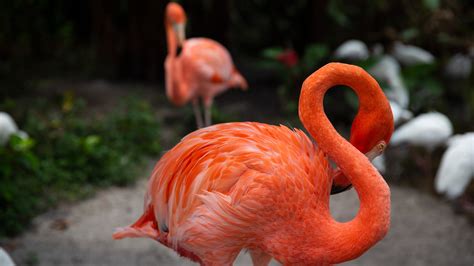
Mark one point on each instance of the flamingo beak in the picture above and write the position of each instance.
(340, 182)
(377, 150)
(180, 29)
(339, 189)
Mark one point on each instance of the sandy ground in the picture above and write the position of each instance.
(424, 232)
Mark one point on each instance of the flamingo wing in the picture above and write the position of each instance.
(214, 170)
(209, 60)
(214, 159)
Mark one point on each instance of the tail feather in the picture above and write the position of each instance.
(238, 81)
(145, 226)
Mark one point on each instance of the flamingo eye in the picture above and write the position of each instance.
(381, 146)
(164, 228)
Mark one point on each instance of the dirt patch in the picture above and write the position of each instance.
(424, 231)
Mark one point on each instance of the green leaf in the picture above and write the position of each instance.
(272, 52)
(313, 55)
(410, 34)
(336, 12)
(90, 143)
(21, 143)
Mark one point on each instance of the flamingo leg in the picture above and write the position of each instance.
(197, 113)
(208, 111)
(259, 258)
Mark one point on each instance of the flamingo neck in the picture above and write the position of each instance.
(176, 87)
(346, 241)
(172, 40)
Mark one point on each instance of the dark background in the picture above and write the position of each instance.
(125, 39)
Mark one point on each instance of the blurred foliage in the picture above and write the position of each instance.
(424, 86)
(125, 39)
(67, 155)
(38, 37)
(292, 75)
(440, 26)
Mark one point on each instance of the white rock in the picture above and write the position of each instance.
(385, 68)
(379, 163)
(428, 130)
(7, 127)
(388, 70)
(399, 92)
(399, 114)
(5, 259)
(457, 166)
(458, 66)
(377, 49)
(411, 55)
(352, 50)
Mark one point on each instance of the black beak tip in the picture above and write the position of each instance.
(339, 189)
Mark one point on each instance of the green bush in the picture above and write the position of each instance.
(20, 184)
(292, 77)
(67, 156)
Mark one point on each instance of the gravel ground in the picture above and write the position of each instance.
(424, 232)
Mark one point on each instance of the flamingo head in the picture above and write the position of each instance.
(176, 19)
(370, 134)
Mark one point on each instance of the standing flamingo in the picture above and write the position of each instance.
(266, 188)
(203, 69)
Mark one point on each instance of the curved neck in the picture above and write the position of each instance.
(345, 241)
(171, 40)
(176, 87)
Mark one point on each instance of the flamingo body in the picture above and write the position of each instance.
(457, 166)
(207, 70)
(208, 188)
(266, 188)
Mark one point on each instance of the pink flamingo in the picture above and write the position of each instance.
(203, 69)
(266, 188)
